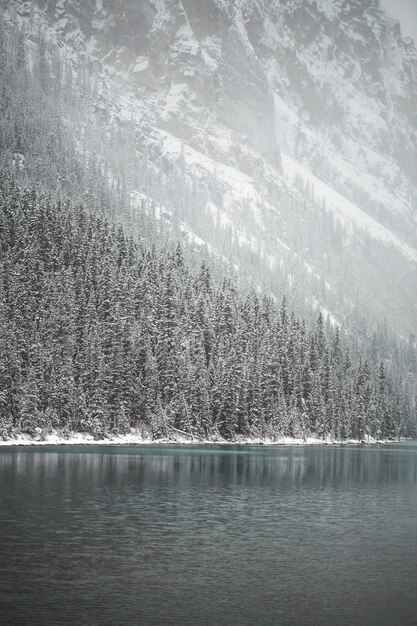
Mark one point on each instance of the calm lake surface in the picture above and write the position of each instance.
(209, 535)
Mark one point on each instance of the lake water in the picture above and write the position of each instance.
(209, 535)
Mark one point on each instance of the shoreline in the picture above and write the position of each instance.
(80, 439)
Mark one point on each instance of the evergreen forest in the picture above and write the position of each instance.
(103, 334)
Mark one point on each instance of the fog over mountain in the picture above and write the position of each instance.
(406, 12)
(282, 135)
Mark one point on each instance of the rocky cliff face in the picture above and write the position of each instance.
(297, 106)
(329, 77)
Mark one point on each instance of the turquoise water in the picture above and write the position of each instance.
(209, 535)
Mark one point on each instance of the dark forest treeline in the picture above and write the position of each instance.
(100, 335)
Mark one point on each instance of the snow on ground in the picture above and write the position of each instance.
(286, 124)
(160, 211)
(137, 439)
(326, 313)
(141, 64)
(239, 182)
(348, 213)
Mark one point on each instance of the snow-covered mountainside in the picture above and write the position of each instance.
(291, 125)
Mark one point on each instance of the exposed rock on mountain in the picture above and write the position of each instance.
(296, 122)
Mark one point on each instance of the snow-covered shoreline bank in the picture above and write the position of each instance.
(82, 439)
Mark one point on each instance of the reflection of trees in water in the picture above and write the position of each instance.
(286, 467)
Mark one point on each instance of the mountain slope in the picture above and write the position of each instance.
(282, 136)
